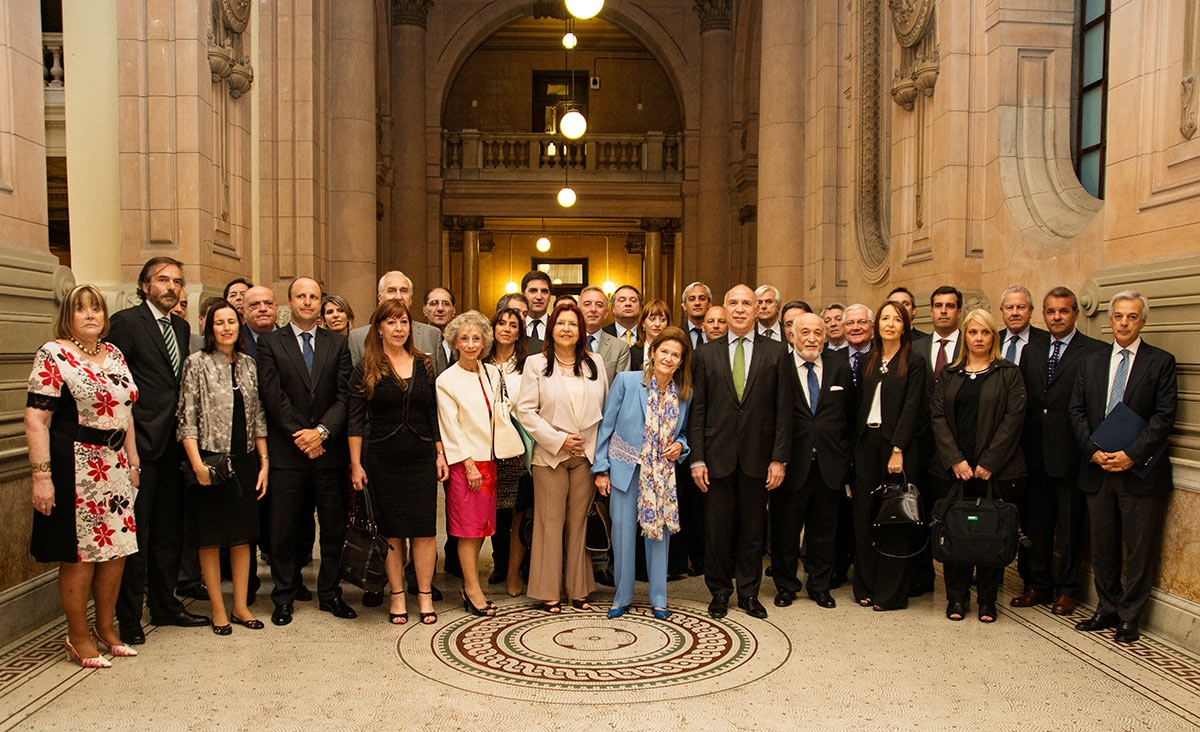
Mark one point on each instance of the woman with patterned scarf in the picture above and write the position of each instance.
(641, 437)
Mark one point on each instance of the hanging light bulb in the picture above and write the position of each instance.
(512, 287)
(566, 197)
(570, 40)
(543, 244)
(584, 9)
(573, 124)
(609, 287)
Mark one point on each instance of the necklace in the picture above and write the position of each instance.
(564, 363)
(972, 375)
(883, 365)
(93, 352)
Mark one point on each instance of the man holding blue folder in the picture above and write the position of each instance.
(1123, 411)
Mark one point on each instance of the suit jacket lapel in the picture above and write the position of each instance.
(322, 350)
(755, 366)
(292, 348)
(725, 367)
(1074, 351)
(154, 331)
(1137, 374)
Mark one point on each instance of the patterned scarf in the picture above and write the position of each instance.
(658, 507)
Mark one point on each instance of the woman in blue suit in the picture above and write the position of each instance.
(641, 437)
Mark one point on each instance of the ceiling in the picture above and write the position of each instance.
(544, 34)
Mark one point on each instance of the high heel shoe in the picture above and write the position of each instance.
(616, 612)
(958, 609)
(583, 605)
(73, 655)
(117, 651)
(427, 618)
(398, 618)
(486, 611)
(660, 613)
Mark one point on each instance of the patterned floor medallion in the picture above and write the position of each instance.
(585, 658)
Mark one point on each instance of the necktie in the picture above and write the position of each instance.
(739, 369)
(1011, 354)
(940, 362)
(533, 329)
(768, 334)
(814, 388)
(172, 344)
(1118, 382)
(1053, 362)
(697, 337)
(307, 351)
(629, 337)
(592, 343)
(854, 365)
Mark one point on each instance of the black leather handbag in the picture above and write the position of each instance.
(896, 517)
(365, 550)
(981, 531)
(220, 469)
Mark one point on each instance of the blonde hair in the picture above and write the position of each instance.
(983, 317)
(79, 294)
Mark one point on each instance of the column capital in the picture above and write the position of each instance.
(410, 12)
(748, 212)
(635, 243)
(714, 14)
(487, 241)
(655, 224)
(469, 223)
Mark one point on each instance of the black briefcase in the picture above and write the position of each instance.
(979, 531)
(365, 551)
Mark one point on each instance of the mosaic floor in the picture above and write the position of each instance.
(803, 667)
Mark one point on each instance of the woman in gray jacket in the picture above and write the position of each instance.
(220, 413)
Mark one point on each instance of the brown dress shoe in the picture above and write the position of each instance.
(1063, 605)
(1029, 598)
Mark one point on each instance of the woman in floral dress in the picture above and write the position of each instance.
(79, 428)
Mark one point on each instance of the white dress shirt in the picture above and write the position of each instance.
(541, 329)
(297, 330)
(951, 342)
(1115, 359)
(802, 371)
(747, 350)
(1022, 339)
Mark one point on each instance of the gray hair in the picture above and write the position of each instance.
(833, 306)
(860, 306)
(707, 290)
(1130, 295)
(393, 273)
(762, 290)
(469, 319)
(1018, 288)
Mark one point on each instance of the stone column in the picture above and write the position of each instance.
(781, 174)
(469, 299)
(409, 248)
(352, 236)
(652, 259)
(715, 93)
(93, 152)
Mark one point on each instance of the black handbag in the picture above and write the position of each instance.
(896, 517)
(220, 469)
(598, 535)
(981, 531)
(365, 550)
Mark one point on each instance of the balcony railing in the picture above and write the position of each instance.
(52, 55)
(471, 154)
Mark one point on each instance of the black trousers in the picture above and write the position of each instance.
(879, 578)
(735, 509)
(293, 490)
(987, 579)
(691, 537)
(1056, 506)
(810, 507)
(150, 574)
(1121, 519)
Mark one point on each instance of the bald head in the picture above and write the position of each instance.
(740, 305)
(261, 310)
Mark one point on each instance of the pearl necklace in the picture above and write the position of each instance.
(93, 352)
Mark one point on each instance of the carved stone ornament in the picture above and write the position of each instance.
(220, 59)
(714, 14)
(904, 90)
(410, 12)
(241, 77)
(235, 14)
(910, 19)
(1187, 105)
(871, 228)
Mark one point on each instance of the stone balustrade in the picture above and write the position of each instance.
(52, 54)
(471, 154)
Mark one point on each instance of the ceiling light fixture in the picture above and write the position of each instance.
(584, 9)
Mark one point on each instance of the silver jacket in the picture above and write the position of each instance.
(206, 401)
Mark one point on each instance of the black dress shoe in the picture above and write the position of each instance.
(131, 634)
(182, 619)
(435, 593)
(719, 607)
(784, 598)
(198, 591)
(605, 577)
(753, 607)
(338, 608)
(1127, 632)
(822, 598)
(282, 614)
(303, 594)
(1098, 622)
(372, 599)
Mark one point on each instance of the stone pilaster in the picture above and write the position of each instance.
(715, 94)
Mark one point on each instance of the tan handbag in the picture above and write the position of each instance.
(506, 440)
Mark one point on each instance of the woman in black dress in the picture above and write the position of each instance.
(978, 413)
(220, 413)
(890, 391)
(396, 450)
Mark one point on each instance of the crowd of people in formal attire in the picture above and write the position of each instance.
(653, 451)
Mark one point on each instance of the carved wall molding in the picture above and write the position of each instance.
(714, 14)
(226, 61)
(235, 14)
(1191, 70)
(911, 20)
(411, 12)
(870, 228)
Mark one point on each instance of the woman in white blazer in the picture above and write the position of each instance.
(642, 436)
(561, 404)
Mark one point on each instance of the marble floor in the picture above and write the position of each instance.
(802, 668)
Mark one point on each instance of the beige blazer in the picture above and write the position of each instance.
(544, 408)
(464, 415)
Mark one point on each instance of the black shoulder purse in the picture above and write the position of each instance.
(365, 549)
(896, 512)
(980, 531)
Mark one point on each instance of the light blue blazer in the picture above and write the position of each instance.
(619, 444)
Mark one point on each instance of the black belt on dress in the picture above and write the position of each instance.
(114, 439)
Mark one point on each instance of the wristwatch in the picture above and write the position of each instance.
(896, 450)
(42, 467)
(323, 432)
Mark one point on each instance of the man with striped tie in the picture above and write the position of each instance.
(1134, 384)
(153, 342)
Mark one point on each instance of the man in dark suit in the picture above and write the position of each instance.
(626, 308)
(820, 461)
(261, 314)
(1016, 307)
(1052, 456)
(697, 299)
(154, 343)
(1127, 489)
(741, 435)
(904, 296)
(303, 374)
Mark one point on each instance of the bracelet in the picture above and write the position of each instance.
(264, 458)
(40, 467)
(441, 452)
(138, 468)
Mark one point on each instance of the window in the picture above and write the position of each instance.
(1091, 113)
(552, 97)
(567, 276)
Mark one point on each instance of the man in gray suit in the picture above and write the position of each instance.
(612, 350)
(396, 285)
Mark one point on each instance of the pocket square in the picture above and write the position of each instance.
(836, 388)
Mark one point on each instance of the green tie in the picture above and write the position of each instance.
(739, 369)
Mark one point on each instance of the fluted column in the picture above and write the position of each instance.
(781, 172)
(715, 94)
(409, 250)
(469, 300)
(652, 260)
(352, 153)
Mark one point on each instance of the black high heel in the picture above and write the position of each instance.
(397, 618)
(956, 608)
(427, 618)
(486, 611)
